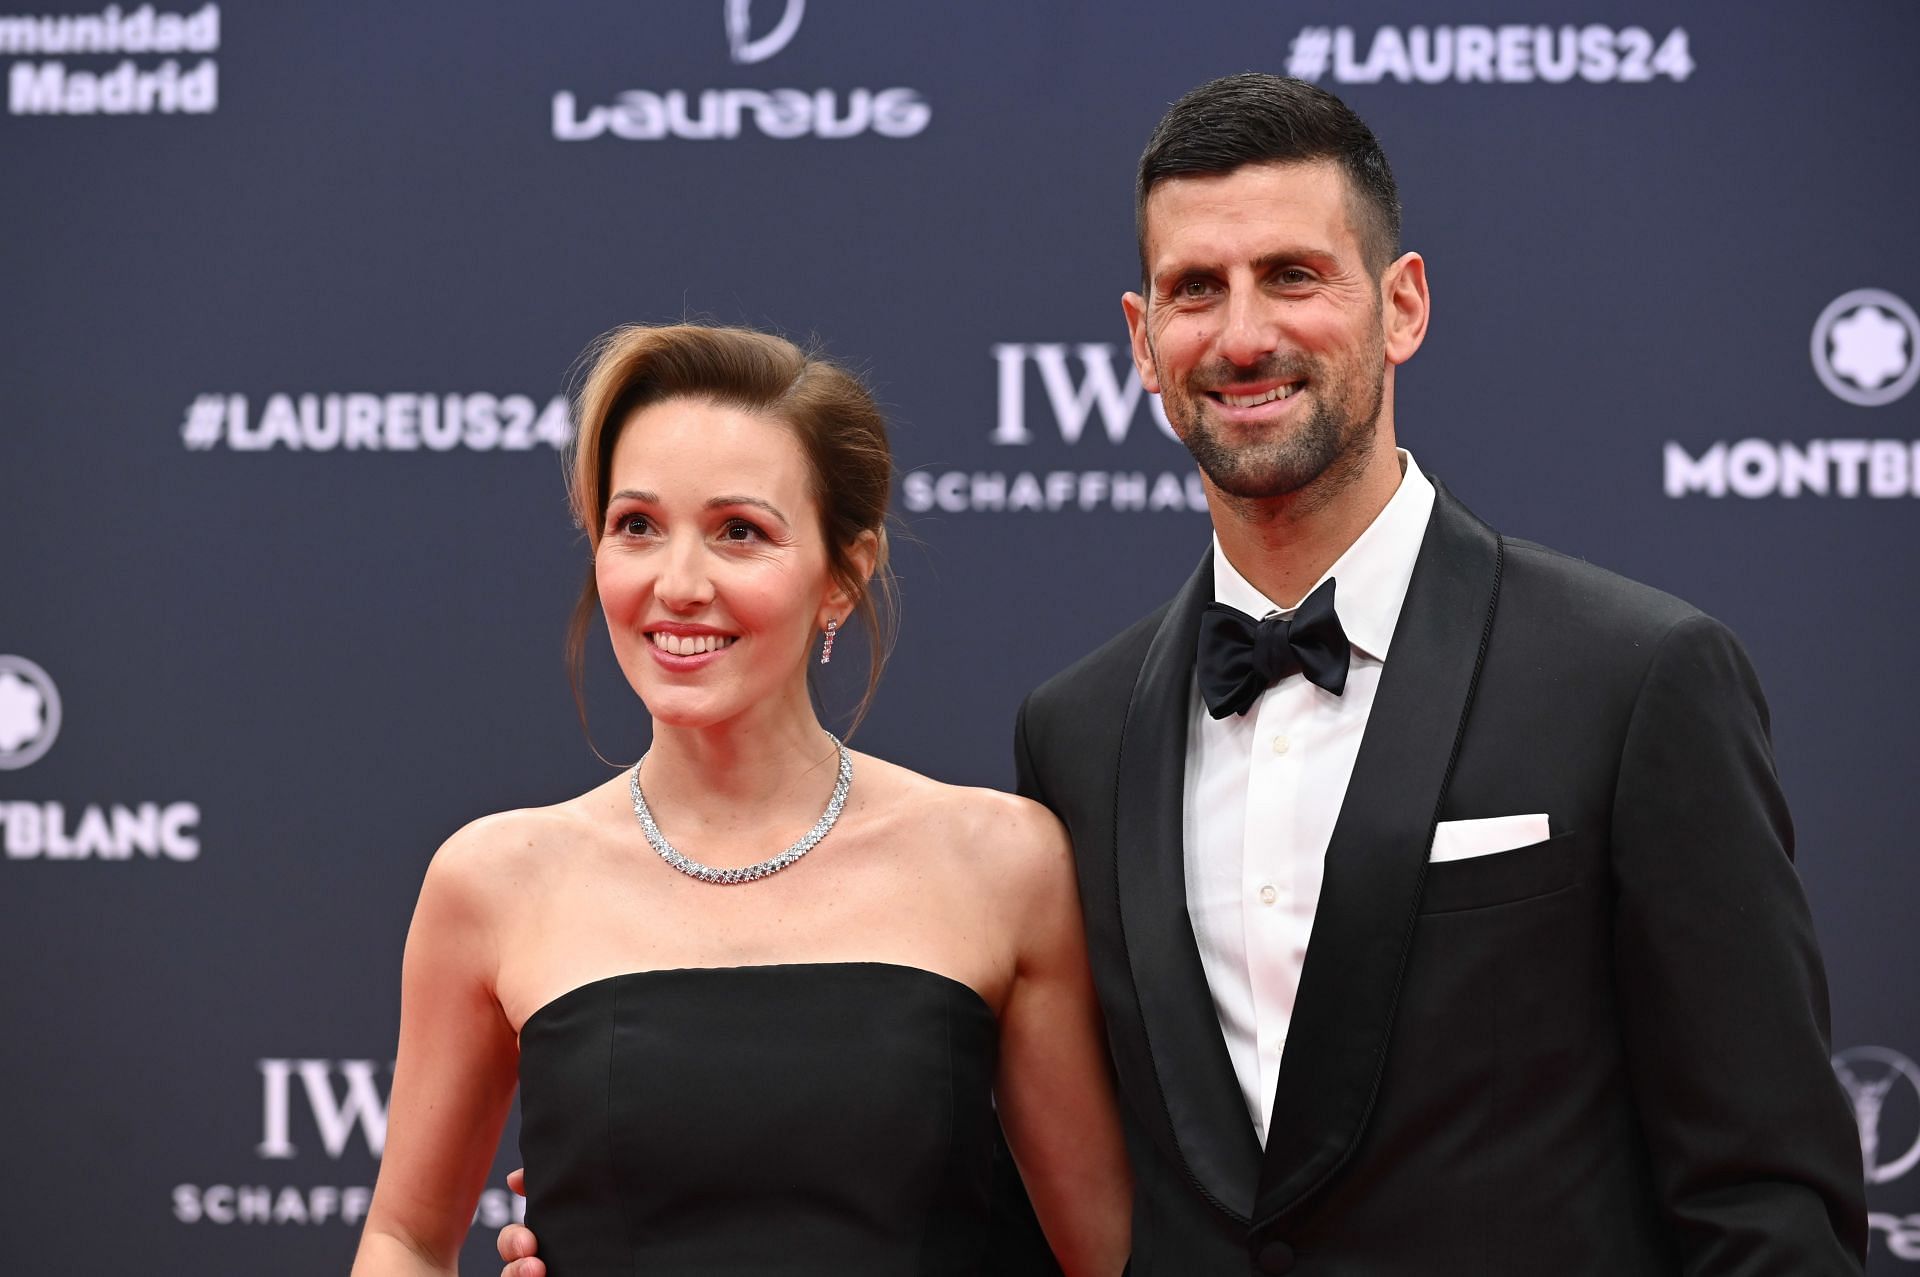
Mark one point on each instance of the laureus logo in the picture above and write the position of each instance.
(1883, 1085)
(653, 115)
(741, 45)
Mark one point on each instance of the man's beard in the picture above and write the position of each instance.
(1329, 444)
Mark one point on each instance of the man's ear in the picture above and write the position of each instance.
(1404, 306)
(1135, 307)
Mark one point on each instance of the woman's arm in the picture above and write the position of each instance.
(453, 1079)
(1055, 1085)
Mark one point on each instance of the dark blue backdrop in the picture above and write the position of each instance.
(285, 673)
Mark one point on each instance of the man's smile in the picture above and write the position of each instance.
(1255, 398)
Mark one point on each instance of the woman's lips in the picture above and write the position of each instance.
(688, 647)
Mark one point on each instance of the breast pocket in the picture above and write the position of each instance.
(1503, 878)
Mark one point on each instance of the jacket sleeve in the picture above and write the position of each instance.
(1723, 998)
(1017, 1247)
(1026, 779)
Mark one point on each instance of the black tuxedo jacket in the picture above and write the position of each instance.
(1605, 1053)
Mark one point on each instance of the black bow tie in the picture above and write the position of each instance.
(1240, 657)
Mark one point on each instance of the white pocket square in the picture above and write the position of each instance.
(1464, 839)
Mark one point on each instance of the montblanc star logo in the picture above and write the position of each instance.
(23, 712)
(1869, 348)
(29, 712)
(1864, 347)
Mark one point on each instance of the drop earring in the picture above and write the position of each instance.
(826, 647)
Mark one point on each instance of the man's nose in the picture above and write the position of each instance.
(684, 583)
(1251, 328)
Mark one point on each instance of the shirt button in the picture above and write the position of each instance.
(1268, 895)
(1275, 1258)
(1281, 744)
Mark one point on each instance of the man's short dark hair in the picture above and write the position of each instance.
(1260, 119)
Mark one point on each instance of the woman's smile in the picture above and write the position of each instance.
(687, 647)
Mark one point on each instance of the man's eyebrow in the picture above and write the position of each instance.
(1291, 256)
(1182, 270)
(715, 503)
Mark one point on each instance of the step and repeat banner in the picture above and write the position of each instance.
(292, 298)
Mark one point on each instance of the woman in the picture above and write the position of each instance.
(737, 1058)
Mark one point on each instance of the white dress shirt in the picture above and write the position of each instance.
(1264, 788)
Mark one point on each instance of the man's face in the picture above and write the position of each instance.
(1261, 327)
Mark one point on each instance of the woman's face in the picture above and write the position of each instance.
(712, 568)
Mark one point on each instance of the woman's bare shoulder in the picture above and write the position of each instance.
(504, 852)
(1009, 838)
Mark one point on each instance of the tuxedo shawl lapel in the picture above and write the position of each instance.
(1377, 858)
(1207, 1123)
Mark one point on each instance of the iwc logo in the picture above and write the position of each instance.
(29, 713)
(1864, 347)
(1885, 1089)
(293, 1116)
(1091, 395)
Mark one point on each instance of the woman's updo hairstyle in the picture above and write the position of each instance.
(840, 430)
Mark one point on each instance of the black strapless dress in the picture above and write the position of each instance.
(773, 1121)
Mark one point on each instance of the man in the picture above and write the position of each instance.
(1486, 953)
(1438, 887)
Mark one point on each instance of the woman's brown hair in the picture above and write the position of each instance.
(840, 430)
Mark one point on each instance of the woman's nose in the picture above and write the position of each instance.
(683, 583)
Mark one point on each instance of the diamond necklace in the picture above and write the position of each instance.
(745, 873)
